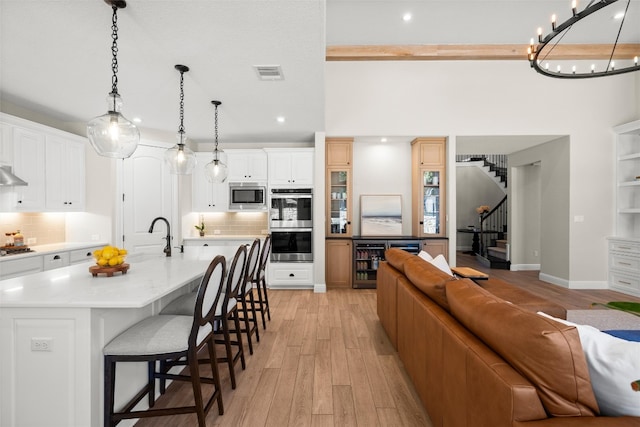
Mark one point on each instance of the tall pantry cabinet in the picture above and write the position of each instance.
(428, 191)
(338, 246)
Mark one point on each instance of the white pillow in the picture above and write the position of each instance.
(425, 256)
(614, 364)
(442, 264)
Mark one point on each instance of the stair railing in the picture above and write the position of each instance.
(494, 223)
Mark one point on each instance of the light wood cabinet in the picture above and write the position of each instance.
(428, 187)
(290, 167)
(435, 247)
(339, 186)
(338, 254)
(207, 196)
(339, 152)
(247, 165)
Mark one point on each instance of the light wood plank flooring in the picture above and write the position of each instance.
(324, 360)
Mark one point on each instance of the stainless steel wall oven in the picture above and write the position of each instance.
(291, 224)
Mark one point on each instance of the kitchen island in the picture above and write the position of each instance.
(54, 324)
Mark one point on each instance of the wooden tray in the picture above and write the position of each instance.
(108, 271)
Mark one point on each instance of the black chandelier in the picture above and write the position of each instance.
(552, 51)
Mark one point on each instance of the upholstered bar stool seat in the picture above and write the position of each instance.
(155, 335)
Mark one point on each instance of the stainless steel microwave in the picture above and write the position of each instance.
(245, 196)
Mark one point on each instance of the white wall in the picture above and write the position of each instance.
(497, 98)
(376, 171)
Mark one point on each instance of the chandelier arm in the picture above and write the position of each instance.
(556, 43)
(615, 44)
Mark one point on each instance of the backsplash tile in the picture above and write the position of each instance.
(46, 228)
(235, 223)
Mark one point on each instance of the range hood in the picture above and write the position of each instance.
(8, 178)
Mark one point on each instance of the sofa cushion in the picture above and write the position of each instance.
(397, 257)
(547, 353)
(614, 366)
(429, 279)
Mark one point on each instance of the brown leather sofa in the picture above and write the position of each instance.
(478, 359)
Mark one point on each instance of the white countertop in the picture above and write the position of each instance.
(51, 248)
(242, 237)
(149, 278)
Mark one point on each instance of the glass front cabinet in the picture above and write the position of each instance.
(428, 187)
(339, 202)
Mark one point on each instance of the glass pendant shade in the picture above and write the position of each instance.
(180, 158)
(216, 171)
(111, 134)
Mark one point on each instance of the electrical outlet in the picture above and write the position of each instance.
(216, 231)
(535, 253)
(41, 344)
(31, 241)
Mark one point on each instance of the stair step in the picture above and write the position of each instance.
(497, 252)
(501, 243)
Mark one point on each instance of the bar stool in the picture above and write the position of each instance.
(160, 338)
(248, 313)
(227, 312)
(260, 282)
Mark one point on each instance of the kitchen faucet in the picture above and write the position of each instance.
(167, 248)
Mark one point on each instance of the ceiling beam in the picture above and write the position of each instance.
(499, 52)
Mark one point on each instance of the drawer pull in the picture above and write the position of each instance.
(56, 257)
(88, 254)
(626, 248)
(624, 283)
(624, 263)
(292, 275)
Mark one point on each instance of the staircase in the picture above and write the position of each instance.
(494, 245)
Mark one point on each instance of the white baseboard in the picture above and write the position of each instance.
(573, 284)
(525, 267)
(320, 288)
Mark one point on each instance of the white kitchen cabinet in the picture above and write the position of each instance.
(290, 275)
(206, 196)
(247, 165)
(55, 260)
(65, 174)
(78, 256)
(290, 167)
(29, 165)
(20, 266)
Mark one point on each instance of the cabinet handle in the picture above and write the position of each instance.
(624, 263)
(421, 222)
(56, 257)
(292, 275)
(19, 201)
(623, 282)
(88, 254)
(626, 248)
(206, 244)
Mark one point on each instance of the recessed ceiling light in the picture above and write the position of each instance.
(406, 17)
(280, 119)
(618, 15)
(137, 120)
(383, 139)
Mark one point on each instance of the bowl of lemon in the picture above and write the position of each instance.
(109, 259)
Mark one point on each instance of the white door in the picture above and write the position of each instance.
(148, 189)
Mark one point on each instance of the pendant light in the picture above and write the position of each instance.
(216, 171)
(111, 134)
(180, 158)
